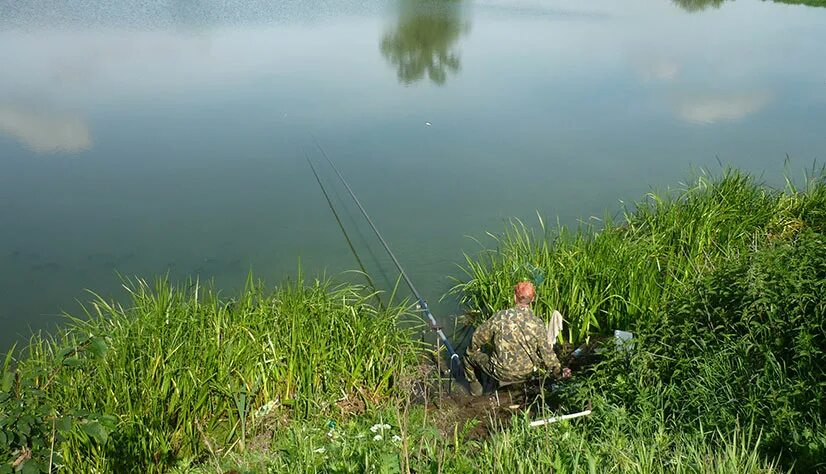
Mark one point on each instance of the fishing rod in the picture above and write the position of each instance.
(344, 231)
(455, 361)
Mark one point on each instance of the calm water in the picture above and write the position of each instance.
(147, 137)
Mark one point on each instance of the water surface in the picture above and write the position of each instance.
(149, 137)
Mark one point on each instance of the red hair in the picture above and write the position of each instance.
(524, 292)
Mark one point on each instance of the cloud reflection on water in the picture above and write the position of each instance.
(659, 69)
(710, 109)
(45, 132)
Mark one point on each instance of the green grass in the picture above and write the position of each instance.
(745, 343)
(186, 371)
(616, 274)
(410, 443)
(723, 282)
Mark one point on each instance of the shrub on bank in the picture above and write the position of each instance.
(746, 344)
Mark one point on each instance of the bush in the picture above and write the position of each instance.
(31, 425)
(746, 344)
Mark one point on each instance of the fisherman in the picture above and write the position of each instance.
(518, 344)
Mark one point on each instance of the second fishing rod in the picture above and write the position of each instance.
(455, 362)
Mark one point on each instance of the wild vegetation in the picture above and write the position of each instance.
(391, 442)
(188, 375)
(722, 281)
(746, 344)
(613, 275)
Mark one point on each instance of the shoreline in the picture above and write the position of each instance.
(312, 376)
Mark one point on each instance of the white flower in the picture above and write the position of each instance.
(396, 438)
(375, 428)
(377, 438)
(265, 410)
(319, 450)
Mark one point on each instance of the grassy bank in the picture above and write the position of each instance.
(723, 282)
(745, 344)
(414, 442)
(180, 373)
(615, 273)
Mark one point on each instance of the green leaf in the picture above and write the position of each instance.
(64, 424)
(5, 469)
(71, 362)
(9, 357)
(109, 422)
(96, 430)
(23, 428)
(98, 347)
(31, 467)
(66, 351)
(390, 463)
(8, 380)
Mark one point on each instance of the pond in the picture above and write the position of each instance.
(144, 138)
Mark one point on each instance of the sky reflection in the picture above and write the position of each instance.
(186, 123)
(45, 132)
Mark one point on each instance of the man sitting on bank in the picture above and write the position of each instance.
(518, 342)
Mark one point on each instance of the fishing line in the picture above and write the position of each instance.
(344, 231)
(455, 362)
(371, 259)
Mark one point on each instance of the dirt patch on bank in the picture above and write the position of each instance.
(453, 408)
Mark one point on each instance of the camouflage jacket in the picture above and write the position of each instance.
(518, 344)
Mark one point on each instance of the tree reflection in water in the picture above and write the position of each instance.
(423, 40)
(697, 5)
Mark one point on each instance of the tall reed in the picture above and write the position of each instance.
(615, 274)
(188, 373)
